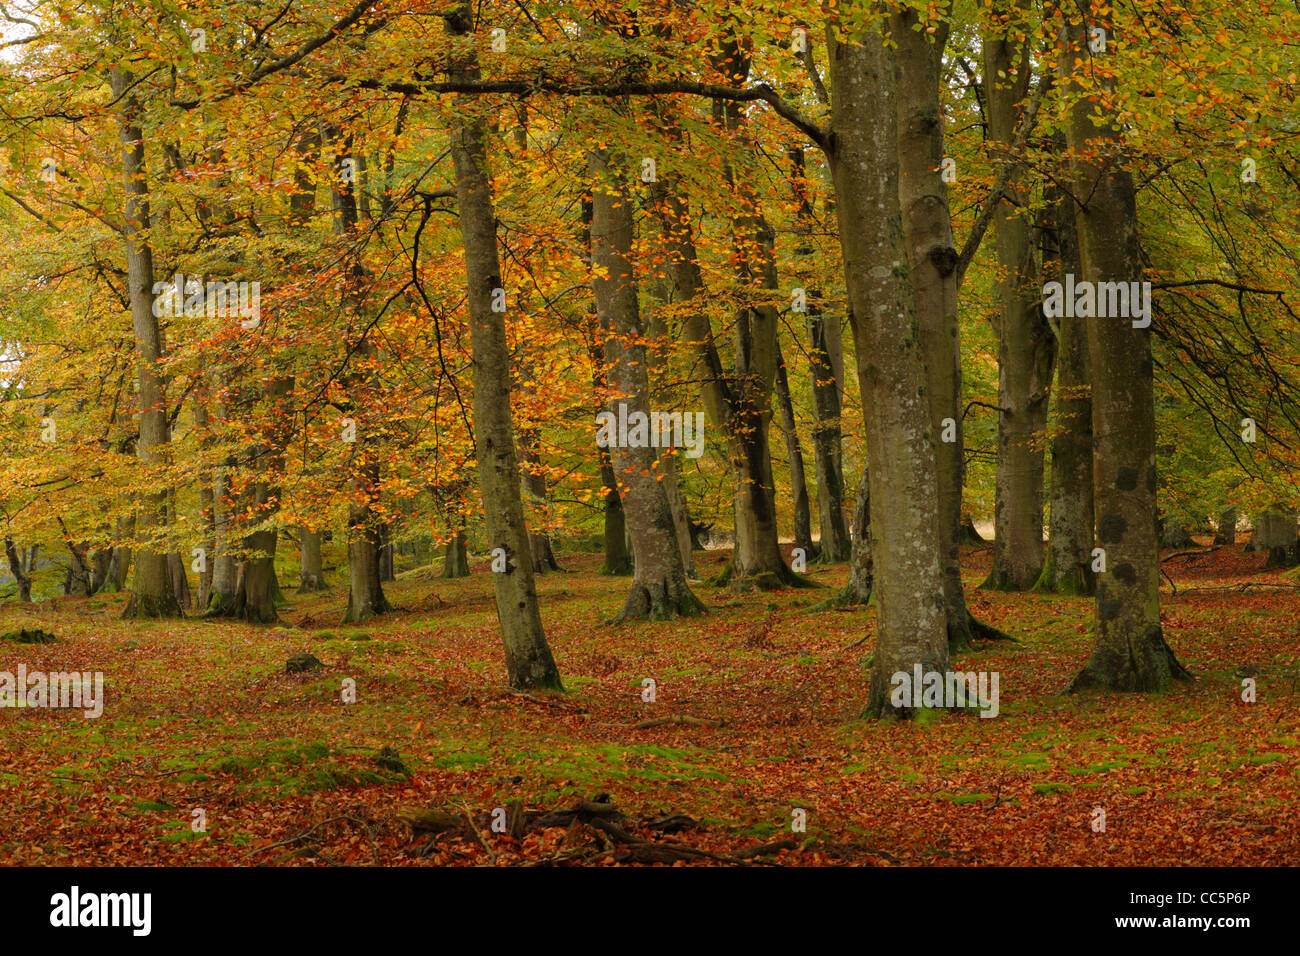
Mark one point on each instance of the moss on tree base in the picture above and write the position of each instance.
(1000, 580)
(1075, 583)
(620, 570)
(142, 606)
(359, 615)
(774, 580)
(1148, 666)
(847, 596)
(659, 601)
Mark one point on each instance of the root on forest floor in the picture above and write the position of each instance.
(596, 828)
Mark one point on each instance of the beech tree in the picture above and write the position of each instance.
(1130, 652)
(528, 656)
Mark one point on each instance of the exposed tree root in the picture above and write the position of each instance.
(987, 632)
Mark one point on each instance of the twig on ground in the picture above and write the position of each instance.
(492, 857)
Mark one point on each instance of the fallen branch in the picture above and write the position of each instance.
(679, 719)
(554, 704)
(300, 836)
(1243, 587)
(430, 820)
(1190, 554)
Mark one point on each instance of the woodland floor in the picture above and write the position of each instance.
(201, 715)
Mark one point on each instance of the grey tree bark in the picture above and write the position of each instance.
(455, 562)
(794, 449)
(618, 557)
(1025, 343)
(825, 366)
(365, 527)
(1129, 650)
(933, 258)
(659, 587)
(858, 589)
(1275, 533)
(207, 512)
(912, 625)
(671, 464)
(528, 656)
(1068, 569)
(311, 574)
(120, 564)
(151, 587)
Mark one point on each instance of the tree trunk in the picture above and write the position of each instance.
(151, 588)
(858, 589)
(757, 561)
(100, 564)
(618, 557)
(19, 569)
(120, 564)
(933, 257)
(825, 370)
(77, 583)
(969, 534)
(1069, 557)
(671, 464)
(1276, 534)
(255, 582)
(225, 569)
(1174, 534)
(387, 570)
(798, 483)
(365, 587)
(912, 625)
(455, 563)
(861, 576)
(311, 576)
(543, 556)
(365, 528)
(528, 656)
(835, 543)
(207, 511)
(659, 587)
(180, 580)
(1129, 651)
(1226, 532)
(1025, 343)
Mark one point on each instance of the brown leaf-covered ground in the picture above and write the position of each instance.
(200, 715)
